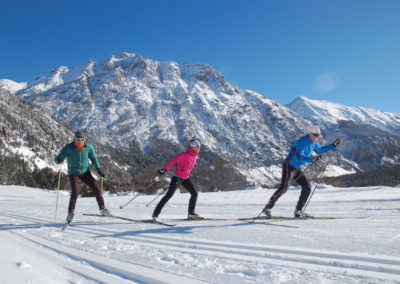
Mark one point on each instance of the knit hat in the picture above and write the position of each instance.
(79, 134)
(194, 143)
(314, 130)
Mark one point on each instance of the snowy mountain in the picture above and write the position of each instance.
(328, 115)
(370, 137)
(128, 101)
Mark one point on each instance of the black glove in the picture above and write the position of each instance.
(316, 158)
(60, 159)
(337, 142)
(100, 171)
(161, 171)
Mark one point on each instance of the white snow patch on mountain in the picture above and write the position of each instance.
(12, 86)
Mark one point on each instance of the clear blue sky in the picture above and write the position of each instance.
(345, 51)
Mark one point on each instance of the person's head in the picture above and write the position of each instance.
(79, 139)
(314, 133)
(195, 145)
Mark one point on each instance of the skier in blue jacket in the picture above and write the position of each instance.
(300, 153)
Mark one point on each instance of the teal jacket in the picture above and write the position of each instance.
(78, 160)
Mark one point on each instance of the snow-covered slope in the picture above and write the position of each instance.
(361, 247)
(11, 86)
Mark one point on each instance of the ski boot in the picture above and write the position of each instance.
(154, 217)
(194, 216)
(105, 212)
(267, 211)
(301, 214)
(70, 217)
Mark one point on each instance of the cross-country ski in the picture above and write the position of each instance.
(158, 222)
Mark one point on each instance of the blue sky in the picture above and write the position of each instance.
(344, 51)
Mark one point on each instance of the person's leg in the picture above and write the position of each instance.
(74, 181)
(305, 190)
(175, 181)
(286, 173)
(93, 184)
(193, 195)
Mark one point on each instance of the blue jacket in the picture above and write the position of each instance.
(300, 151)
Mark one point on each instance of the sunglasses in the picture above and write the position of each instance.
(79, 139)
(316, 134)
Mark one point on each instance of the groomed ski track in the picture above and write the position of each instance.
(114, 271)
(100, 250)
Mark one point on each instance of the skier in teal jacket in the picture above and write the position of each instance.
(78, 154)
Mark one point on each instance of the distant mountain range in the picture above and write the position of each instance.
(142, 105)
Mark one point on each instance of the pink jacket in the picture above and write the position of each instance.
(186, 161)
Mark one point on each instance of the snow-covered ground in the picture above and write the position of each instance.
(362, 247)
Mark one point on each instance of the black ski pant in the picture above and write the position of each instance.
(175, 183)
(91, 182)
(300, 178)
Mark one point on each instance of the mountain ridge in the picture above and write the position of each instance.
(135, 103)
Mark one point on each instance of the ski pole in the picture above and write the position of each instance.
(147, 187)
(158, 195)
(58, 191)
(101, 185)
(326, 165)
(255, 218)
(316, 185)
(295, 179)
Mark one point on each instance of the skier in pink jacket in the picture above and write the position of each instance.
(186, 161)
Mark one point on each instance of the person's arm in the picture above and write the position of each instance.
(61, 156)
(173, 161)
(93, 157)
(320, 150)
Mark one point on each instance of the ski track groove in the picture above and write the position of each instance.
(115, 271)
(366, 266)
(329, 261)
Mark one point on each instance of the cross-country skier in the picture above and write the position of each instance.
(78, 154)
(300, 153)
(186, 161)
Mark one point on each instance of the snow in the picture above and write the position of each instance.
(12, 86)
(29, 155)
(334, 171)
(362, 247)
(327, 113)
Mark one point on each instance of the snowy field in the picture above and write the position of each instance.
(361, 247)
